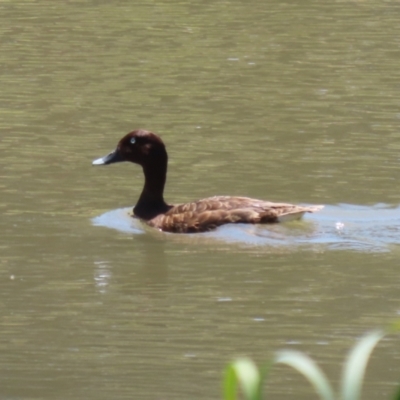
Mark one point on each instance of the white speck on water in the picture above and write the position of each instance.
(339, 226)
(293, 342)
(222, 299)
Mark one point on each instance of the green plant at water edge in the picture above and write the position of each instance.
(243, 374)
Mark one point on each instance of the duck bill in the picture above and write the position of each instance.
(111, 158)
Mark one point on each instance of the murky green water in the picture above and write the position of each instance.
(295, 102)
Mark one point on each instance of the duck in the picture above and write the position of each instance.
(148, 150)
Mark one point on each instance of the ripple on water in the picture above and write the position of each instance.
(343, 226)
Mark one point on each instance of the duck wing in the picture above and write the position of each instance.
(207, 214)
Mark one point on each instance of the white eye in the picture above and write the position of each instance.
(133, 140)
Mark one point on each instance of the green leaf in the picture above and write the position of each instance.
(397, 394)
(245, 373)
(354, 367)
(306, 366)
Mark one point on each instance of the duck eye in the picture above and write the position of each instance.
(133, 140)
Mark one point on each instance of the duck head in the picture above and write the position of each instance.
(140, 147)
(148, 150)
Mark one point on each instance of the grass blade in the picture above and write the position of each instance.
(354, 367)
(245, 373)
(307, 367)
(397, 394)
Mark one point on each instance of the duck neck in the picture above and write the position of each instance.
(151, 201)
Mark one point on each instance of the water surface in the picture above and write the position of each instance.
(295, 102)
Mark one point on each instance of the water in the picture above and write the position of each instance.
(340, 227)
(285, 102)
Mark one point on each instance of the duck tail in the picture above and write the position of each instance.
(312, 209)
(298, 213)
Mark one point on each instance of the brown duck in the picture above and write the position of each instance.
(148, 150)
